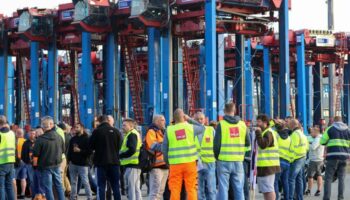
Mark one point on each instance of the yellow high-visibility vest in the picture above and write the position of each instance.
(300, 144)
(134, 159)
(269, 156)
(182, 145)
(205, 148)
(61, 133)
(284, 148)
(233, 138)
(7, 148)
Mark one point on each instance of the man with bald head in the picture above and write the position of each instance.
(179, 151)
(105, 141)
(47, 157)
(159, 174)
(110, 120)
(299, 148)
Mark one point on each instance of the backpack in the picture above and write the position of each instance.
(146, 159)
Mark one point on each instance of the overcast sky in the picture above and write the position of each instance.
(310, 14)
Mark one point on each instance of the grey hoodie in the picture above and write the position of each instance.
(217, 138)
(340, 126)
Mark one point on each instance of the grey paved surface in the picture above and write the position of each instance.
(260, 197)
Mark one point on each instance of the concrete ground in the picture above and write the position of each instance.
(334, 192)
(260, 197)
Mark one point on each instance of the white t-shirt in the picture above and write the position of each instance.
(316, 150)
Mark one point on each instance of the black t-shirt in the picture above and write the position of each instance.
(27, 150)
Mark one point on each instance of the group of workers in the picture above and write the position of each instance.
(188, 158)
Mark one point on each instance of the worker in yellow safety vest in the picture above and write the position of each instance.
(299, 148)
(231, 142)
(286, 156)
(336, 138)
(7, 159)
(179, 151)
(268, 157)
(206, 163)
(20, 168)
(129, 158)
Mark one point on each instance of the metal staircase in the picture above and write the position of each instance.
(25, 98)
(339, 86)
(134, 75)
(191, 74)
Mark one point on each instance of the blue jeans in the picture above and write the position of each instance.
(37, 183)
(21, 171)
(110, 173)
(76, 171)
(246, 165)
(230, 174)
(283, 176)
(207, 182)
(6, 187)
(49, 176)
(30, 173)
(296, 176)
(92, 181)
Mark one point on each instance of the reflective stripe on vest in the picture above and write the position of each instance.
(284, 148)
(232, 141)
(7, 147)
(338, 154)
(338, 143)
(206, 151)
(134, 159)
(182, 146)
(269, 156)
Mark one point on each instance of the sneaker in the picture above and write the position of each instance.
(318, 193)
(307, 193)
(21, 197)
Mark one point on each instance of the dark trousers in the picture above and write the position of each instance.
(283, 177)
(108, 173)
(332, 167)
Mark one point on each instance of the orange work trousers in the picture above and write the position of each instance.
(180, 173)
